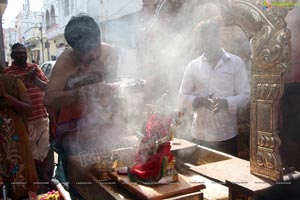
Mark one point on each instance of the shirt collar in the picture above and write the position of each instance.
(225, 55)
(13, 66)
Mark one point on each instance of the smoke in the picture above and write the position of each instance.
(157, 51)
(166, 49)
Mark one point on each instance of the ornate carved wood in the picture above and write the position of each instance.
(270, 54)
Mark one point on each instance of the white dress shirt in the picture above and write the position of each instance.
(227, 80)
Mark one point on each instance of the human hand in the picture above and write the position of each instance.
(105, 95)
(218, 104)
(30, 77)
(214, 104)
(206, 102)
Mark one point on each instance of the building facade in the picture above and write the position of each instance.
(59, 12)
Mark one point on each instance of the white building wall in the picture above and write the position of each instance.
(27, 24)
(111, 9)
(93, 9)
(100, 10)
(9, 38)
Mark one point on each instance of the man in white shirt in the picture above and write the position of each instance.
(214, 86)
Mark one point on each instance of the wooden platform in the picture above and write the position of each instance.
(180, 144)
(235, 171)
(161, 191)
(235, 174)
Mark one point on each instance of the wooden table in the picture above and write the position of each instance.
(184, 186)
(235, 174)
(120, 188)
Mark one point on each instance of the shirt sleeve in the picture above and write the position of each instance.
(41, 75)
(186, 92)
(241, 88)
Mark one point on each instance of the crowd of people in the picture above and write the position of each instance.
(76, 109)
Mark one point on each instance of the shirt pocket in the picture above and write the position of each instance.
(226, 75)
(224, 81)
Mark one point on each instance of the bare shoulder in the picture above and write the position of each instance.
(66, 57)
(107, 50)
(106, 46)
(63, 67)
(65, 62)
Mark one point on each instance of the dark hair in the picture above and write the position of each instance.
(82, 33)
(16, 46)
(209, 27)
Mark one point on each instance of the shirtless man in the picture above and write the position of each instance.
(78, 96)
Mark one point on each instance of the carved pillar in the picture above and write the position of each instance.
(270, 58)
(270, 55)
(265, 158)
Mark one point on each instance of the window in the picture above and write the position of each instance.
(52, 20)
(47, 19)
(44, 67)
(66, 8)
(71, 5)
(48, 71)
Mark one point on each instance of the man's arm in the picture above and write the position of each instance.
(242, 89)
(55, 96)
(41, 84)
(186, 96)
(40, 79)
(36, 77)
(22, 104)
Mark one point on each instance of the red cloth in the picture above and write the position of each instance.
(67, 116)
(152, 168)
(157, 126)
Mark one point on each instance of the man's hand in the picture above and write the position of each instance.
(206, 102)
(219, 104)
(30, 77)
(214, 104)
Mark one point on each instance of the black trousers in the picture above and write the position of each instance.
(227, 146)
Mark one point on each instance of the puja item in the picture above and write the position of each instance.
(122, 170)
(154, 162)
(101, 169)
(52, 195)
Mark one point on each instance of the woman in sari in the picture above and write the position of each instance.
(17, 171)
